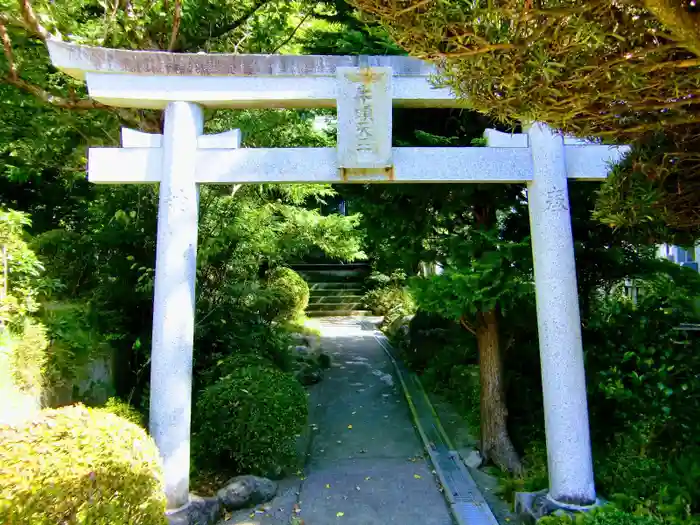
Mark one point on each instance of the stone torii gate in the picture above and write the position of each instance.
(364, 92)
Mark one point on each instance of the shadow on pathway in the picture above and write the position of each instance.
(365, 463)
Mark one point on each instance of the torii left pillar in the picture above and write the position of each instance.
(174, 298)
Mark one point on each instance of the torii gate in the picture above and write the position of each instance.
(182, 157)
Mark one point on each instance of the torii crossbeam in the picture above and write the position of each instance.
(182, 157)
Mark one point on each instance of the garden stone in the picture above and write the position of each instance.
(199, 511)
(531, 506)
(308, 375)
(473, 459)
(313, 342)
(245, 491)
(301, 350)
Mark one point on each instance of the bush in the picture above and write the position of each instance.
(124, 410)
(603, 516)
(232, 364)
(242, 335)
(75, 342)
(437, 343)
(248, 421)
(638, 362)
(80, 466)
(291, 293)
(392, 301)
(28, 357)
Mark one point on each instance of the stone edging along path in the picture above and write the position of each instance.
(465, 500)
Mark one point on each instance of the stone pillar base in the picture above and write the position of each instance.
(531, 506)
(198, 511)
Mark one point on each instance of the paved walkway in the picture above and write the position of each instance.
(365, 463)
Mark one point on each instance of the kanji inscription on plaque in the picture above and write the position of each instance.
(364, 117)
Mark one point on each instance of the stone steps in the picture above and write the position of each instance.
(333, 306)
(336, 290)
(334, 299)
(338, 313)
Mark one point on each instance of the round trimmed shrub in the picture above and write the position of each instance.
(248, 421)
(120, 408)
(291, 292)
(80, 466)
(231, 364)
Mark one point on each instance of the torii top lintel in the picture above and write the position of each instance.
(151, 79)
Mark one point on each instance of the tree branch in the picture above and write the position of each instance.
(128, 117)
(413, 7)
(51, 99)
(684, 25)
(288, 39)
(14, 22)
(31, 20)
(7, 46)
(233, 25)
(177, 18)
(466, 325)
(472, 52)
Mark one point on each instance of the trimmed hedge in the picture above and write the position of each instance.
(291, 293)
(79, 466)
(248, 421)
(120, 408)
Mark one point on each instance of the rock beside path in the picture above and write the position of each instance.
(246, 491)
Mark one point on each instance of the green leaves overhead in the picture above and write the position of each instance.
(624, 72)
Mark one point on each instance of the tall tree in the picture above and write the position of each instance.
(101, 240)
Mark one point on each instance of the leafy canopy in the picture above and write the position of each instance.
(620, 71)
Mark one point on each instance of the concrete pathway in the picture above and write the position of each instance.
(365, 462)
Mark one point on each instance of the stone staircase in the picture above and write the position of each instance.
(336, 289)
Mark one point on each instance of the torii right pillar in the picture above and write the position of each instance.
(571, 484)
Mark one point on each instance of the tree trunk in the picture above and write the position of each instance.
(495, 441)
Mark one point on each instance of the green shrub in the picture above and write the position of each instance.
(385, 298)
(28, 357)
(75, 342)
(393, 301)
(124, 410)
(638, 362)
(232, 364)
(242, 335)
(437, 343)
(248, 421)
(603, 516)
(80, 466)
(291, 293)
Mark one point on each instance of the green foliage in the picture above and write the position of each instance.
(393, 301)
(646, 195)
(291, 291)
(80, 465)
(643, 399)
(28, 358)
(603, 516)
(248, 421)
(124, 410)
(17, 260)
(75, 341)
(620, 72)
(639, 362)
(232, 363)
(445, 357)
